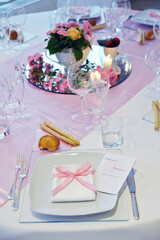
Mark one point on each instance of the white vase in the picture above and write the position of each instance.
(67, 57)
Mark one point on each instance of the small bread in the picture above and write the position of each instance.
(149, 35)
(92, 21)
(48, 142)
(13, 35)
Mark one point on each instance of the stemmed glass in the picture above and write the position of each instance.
(17, 87)
(156, 29)
(77, 79)
(17, 19)
(77, 9)
(4, 98)
(152, 59)
(120, 11)
(95, 98)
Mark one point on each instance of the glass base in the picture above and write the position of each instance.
(153, 93)
(81, 117)
(4, 131)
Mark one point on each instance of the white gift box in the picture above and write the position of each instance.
(75, 191)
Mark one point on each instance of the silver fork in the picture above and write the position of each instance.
(18, 166)
(22, 175)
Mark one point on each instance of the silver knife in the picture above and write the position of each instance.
(132, 189)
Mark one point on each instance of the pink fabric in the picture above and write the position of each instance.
(43, 105)
(64, 172)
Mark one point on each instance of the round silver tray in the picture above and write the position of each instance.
(95, 55)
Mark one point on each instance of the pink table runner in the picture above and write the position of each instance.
(57, 107)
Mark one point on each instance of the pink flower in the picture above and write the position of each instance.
(62, 32)
(99, 68)
(72, 24)
(49, 32)
(63, 87)
(86, 37)
(87, 28)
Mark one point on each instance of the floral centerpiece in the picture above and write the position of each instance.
(69, 36)
(45, 76)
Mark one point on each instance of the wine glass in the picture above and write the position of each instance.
(95, 97)
(120, 11)
(77, 79)
(16, 107)
(4, 98)
(77, 9)
(17, 19)
(152, 59)
(156, 29)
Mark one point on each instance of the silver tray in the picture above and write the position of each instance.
(96, 53)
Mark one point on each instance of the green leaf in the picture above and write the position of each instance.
(78, 53)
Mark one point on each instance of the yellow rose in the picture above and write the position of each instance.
(73, 33)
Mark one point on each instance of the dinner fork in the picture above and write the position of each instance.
(22, 175)
(18, 166)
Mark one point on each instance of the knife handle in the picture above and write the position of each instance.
(135, 206)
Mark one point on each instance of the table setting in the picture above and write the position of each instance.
(79, 153)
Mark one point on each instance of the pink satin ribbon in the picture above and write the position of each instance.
(64, 172)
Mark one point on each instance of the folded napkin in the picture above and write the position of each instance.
(80, 10)
(154, 15)
(73, 183)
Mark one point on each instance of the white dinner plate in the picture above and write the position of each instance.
(41, 186)
(94, 12)
(144, 18)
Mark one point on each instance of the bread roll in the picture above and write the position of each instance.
(48, 142)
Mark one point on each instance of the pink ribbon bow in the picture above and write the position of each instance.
(64, 172)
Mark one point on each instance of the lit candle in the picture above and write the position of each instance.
(107, 62)
(95, 77)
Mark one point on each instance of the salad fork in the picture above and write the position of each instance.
(22, 175)
(18, 166)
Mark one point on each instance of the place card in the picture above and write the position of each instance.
(112, 172)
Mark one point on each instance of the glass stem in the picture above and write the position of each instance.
(82, 104)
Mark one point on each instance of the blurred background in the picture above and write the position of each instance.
(45, 5)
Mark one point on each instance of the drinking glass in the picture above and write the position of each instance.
(16, 107)
(77, 9)
(120, 11)
(62, 10)
(95, 97)
(152, 59)
(17, 19)
(77, 79)
(4, 98)
(156, 29)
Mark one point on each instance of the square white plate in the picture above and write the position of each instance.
(144, 18)
(41, 185)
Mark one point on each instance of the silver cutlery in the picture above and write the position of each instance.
(132, 189)
(22, 175)
(18, 166)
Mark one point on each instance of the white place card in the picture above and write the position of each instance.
(112, 172)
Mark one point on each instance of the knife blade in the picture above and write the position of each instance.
(132, 189)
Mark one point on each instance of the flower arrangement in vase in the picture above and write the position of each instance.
(70, 38)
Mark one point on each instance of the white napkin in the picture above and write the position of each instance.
(74, 191)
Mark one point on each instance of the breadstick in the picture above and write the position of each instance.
(141, 36)
(156, 115)
(58, 130)
(100, 26)
(158, 105)
(67, 140)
